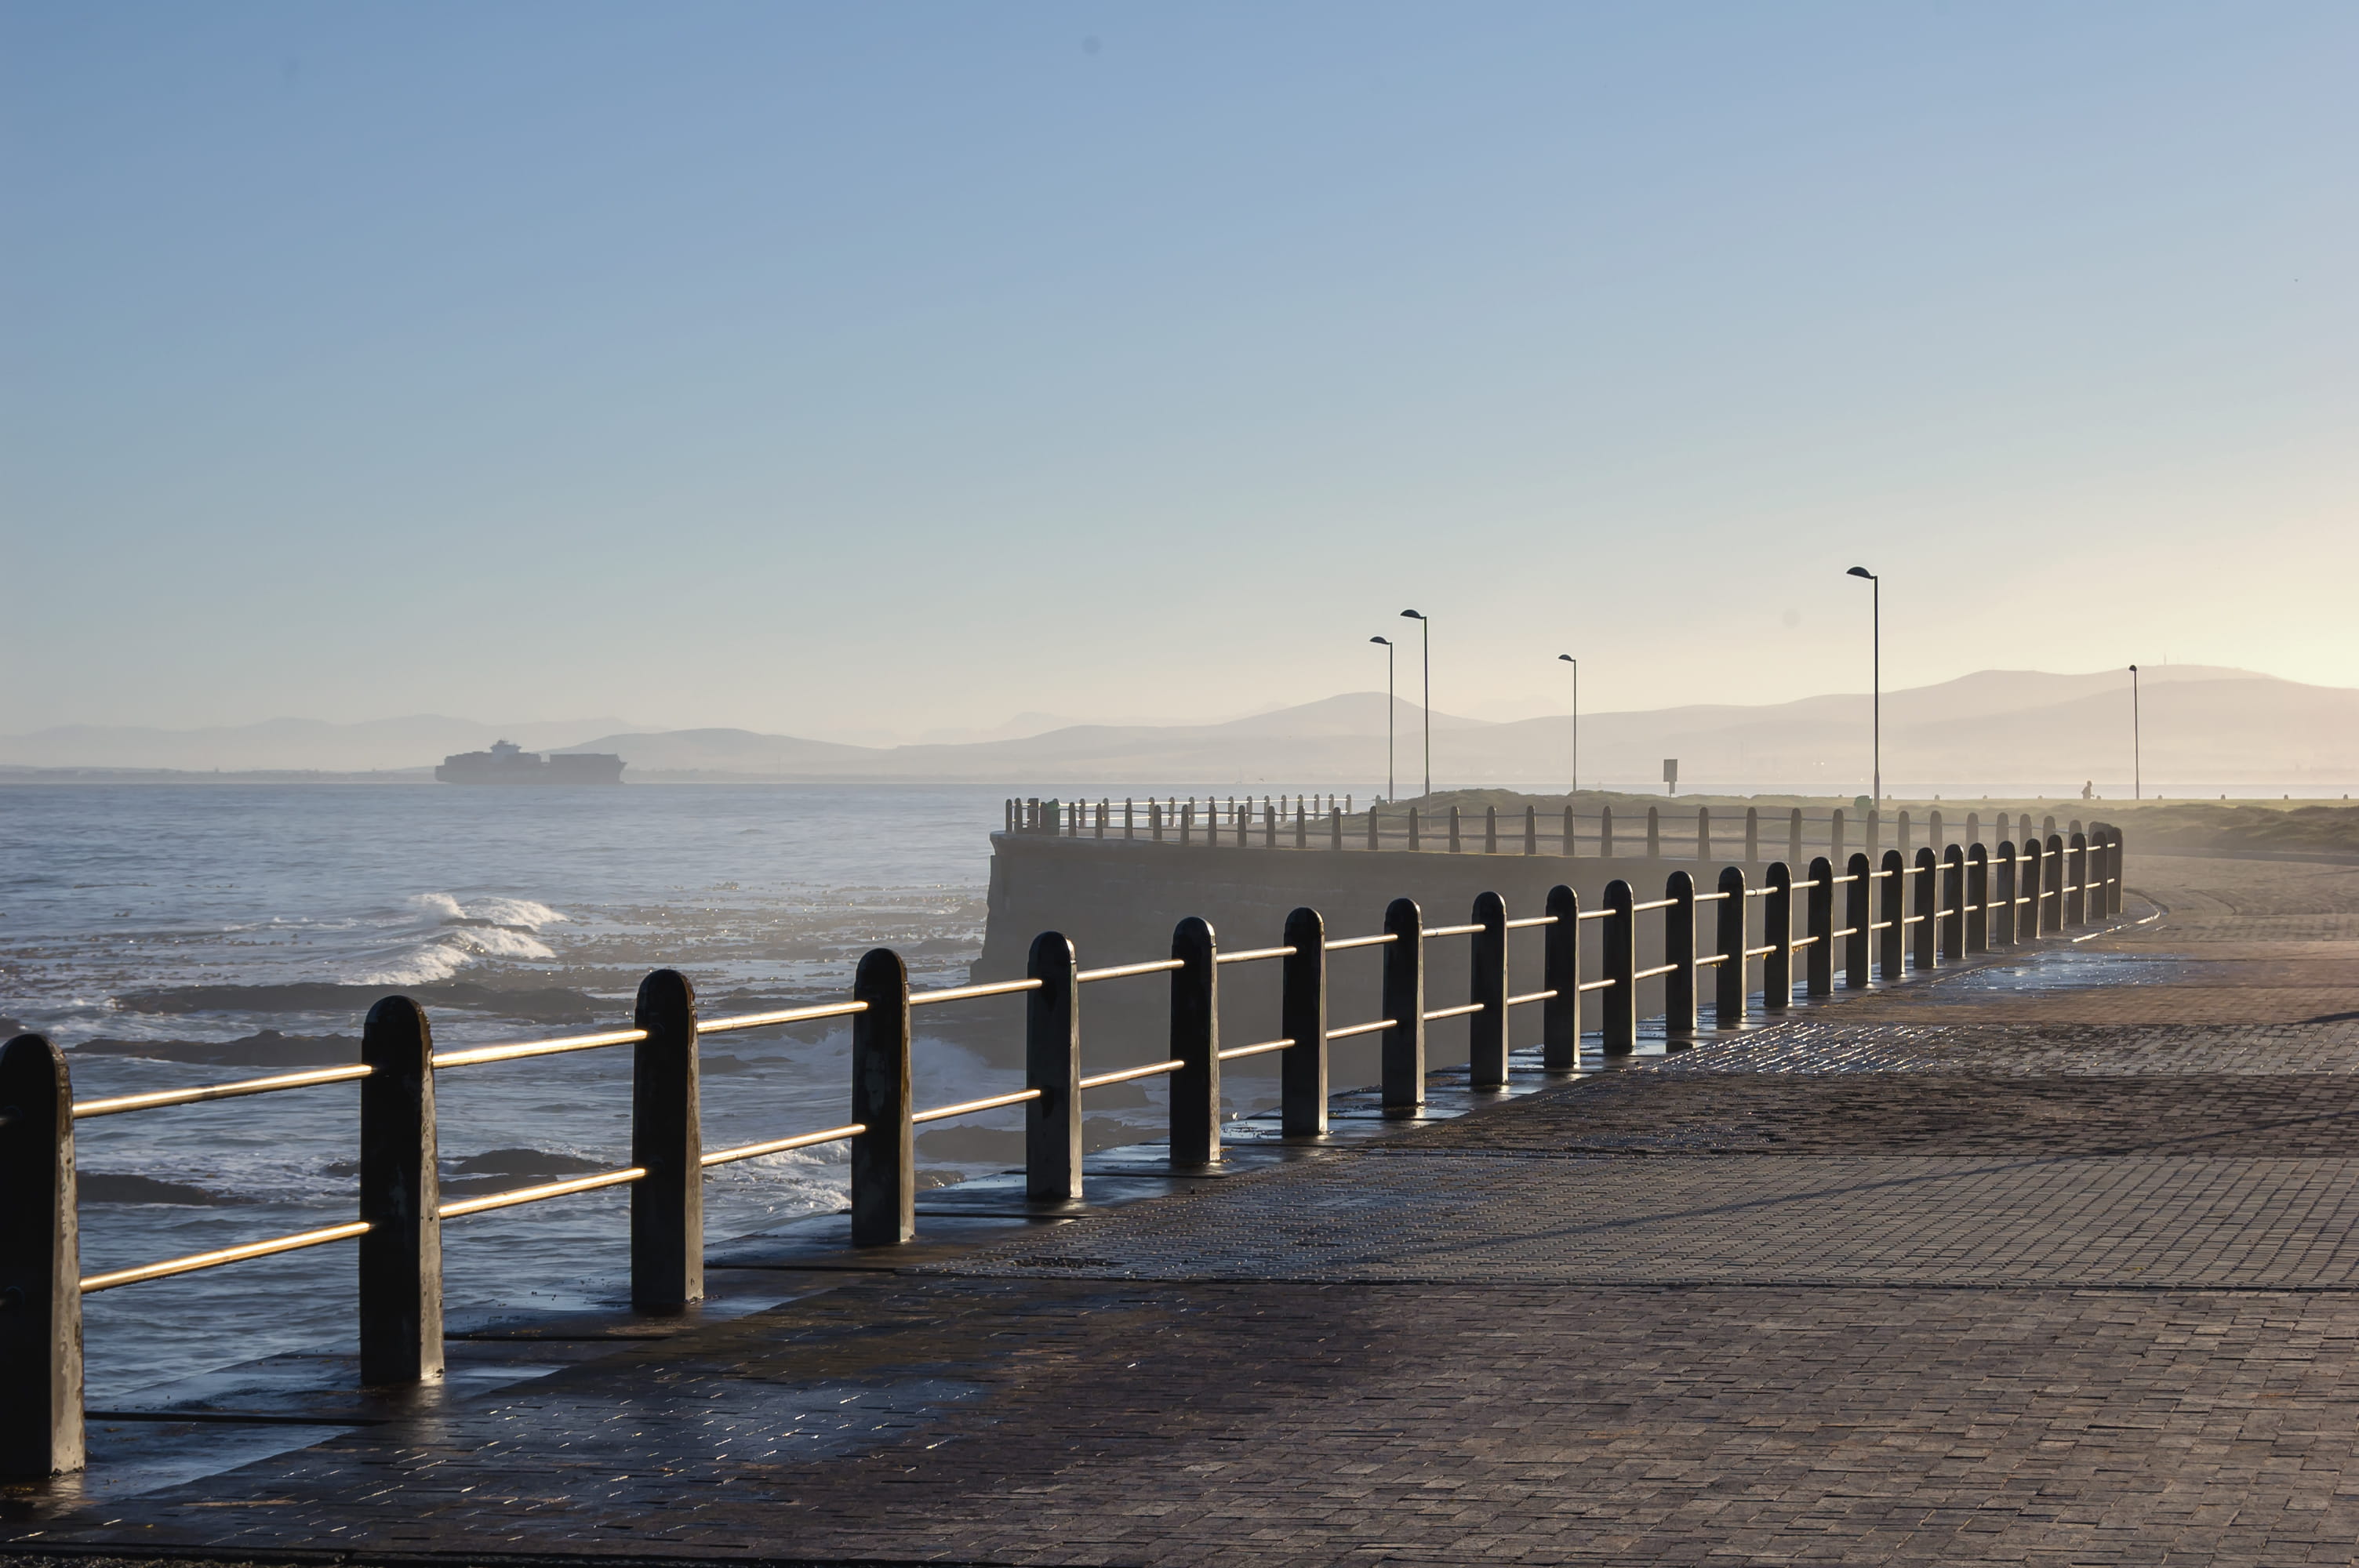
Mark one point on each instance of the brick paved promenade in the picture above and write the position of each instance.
(2051, 1260)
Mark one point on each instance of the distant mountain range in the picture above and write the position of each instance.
(2003, 731)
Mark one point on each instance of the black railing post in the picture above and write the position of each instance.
(1704, 834)
(1487, 1031)
(1570, 839)
(1680, 953)
(1302, 1018)
(1875, 835)
(2002, 899)
(1778, 936)
(2031, 895)
(1560, 975)
(1953, 904)
(1490, 830)
(1751, 835)
(1977, 898)
(1412, 827)
(1654, 833)
(668, 1139)
(883, 1157)
(1301, 825)
(2113, 870)
(1835, 837)
(1891, 902)
(1974, 827)
(1858, 900)
(1728, 978)
(2076, 880)
(40, 1265)
(1819, 919)
(2056, 868)
(1926, 900)
(1335, 827)
(1605, 832)
(1195, 1045)
(1531, 830)
(1901, 830)
(1130, 819)
(401, 1196)
(1794, 839)
(1455, 847)
(1371, 827)
(1621, 966)
(1404, 996)
(1934, 836)
(1052, 1065)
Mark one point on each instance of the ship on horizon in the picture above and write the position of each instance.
(508, 763)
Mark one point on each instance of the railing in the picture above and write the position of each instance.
(1965, 901)
(1329, 822)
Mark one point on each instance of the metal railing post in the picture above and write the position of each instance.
(1794, 839)
(401, 1196)
(1974, 827)
(1953, 904)
(883, 1156)
(1835, 838)
(2055, 867)
(1301, 825)
(2076, 880)
(2002, 899)
(668, 1139)
(1302, 1018)
(1605, 832)
(2032, 892)
(1933, 834)
(1819, 923)
(1778, 936)
(1490, 830)
(1487, 1031)
(1728, 978)
(1875, 835)
(1455, 847)
(1531, 830)
(1621, 944)
(1052, 1065)
(2113, 870)
(1403, 1002)
(1927, 899)
(1371, 827)
(1751, 835)
(1561, 974)
(1571, 838)
(1680, 953)
(1704, 834)
(1901, 829)
(1858, 900)
(1130, 819)
(40, 1265)
(1977, 898)
(1654, 833)
(1891, 904)
(1195, 1045)
(1412, 827)
(1335, 827)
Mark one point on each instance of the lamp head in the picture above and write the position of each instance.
(1861, 571)
(2133, 669)
(1387, 642)
(1411, 615)
(1568, 658)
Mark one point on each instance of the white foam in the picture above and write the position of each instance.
(439, 903)
(419, 967)
(515, 912)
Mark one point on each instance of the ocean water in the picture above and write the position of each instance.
(168, 936)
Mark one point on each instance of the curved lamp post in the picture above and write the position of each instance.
(1387, 642)
(2138, 743)
(1875, 665)
(1568, 659)
(1427, 625)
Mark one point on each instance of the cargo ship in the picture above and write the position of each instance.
(507, 764)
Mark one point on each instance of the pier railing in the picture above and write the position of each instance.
(1900, 915)
(1329, 822)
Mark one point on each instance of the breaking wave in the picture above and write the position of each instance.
(483, 928)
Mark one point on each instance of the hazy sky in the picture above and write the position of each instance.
(839, 368)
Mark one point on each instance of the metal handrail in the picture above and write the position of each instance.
(1122, 971)
(1346, 1034)
(780, 1145)
(968, 1108)
(1432, 931)
(1459, 1012)
(1262, 1049)
(121, 1103)
(968, 993)
(1103, 1079)
(1605, 985)
(477, 1054)
(1530, 997)
(1531, 919)
(1251, 955)
(546, 1190)
(787, 1015)
(196, 1261)
(1363, 942)
(1650, 974)
(1652, 905)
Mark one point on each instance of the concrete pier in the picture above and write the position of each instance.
(2048, 1257)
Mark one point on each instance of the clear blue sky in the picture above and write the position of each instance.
(835, 369)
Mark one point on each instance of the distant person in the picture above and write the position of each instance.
(2089, 789)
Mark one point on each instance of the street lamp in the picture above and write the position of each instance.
(2138, 743)
(1568, 659)
(1387, 642)
(1428, 627)
(1875, 611)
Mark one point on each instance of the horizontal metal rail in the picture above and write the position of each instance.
(1710, 897)
(1362, 942)
(780, 1145)
(785, 1015)
(1530, 997)
(466, 1206)
(1252, 955)
(1596, 985)
(1123, 971)
(1432, 931)
(196, 1261)
(476, 1054)
(1346, 1034)
(1459, 1012)
(968, 1108)
(1805, 941)
(121, 1103)
(968, 993)
(1650, 974)
(1123, 1076)
(1658, 904)
(1598, 913)
(1263, 1048)
(1757, 952)
(1530, 920)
